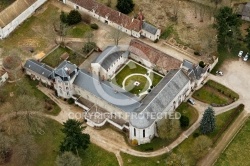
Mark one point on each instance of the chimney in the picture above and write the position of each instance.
(132, 19)
(119, 13)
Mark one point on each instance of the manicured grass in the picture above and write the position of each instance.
(215, 93)
(142, 87)
(54, 58)
(133, 68)
(129, 160)
(49, 147)
(78, 30)
(237, 153)
(188, 111)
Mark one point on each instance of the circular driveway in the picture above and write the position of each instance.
(236, 77)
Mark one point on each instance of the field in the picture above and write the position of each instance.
(133, 73)
(53, 59)
(237, 153)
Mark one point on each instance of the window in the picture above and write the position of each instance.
(134, 132)
(77, 7)
(143, 133)
(67, 88)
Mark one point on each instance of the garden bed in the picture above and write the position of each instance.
(53, 59)
(215, 94)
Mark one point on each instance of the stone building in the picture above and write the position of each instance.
(136, 27)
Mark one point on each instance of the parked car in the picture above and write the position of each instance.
(218, 72)
(191, 101)
(240, 54)
(246, 57)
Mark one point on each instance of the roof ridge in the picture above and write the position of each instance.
(31, 60)
(107, 85)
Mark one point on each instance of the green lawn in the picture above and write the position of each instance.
(142, 87)
(237, 153)
(53, 59)
(49, 148)
(133, 68)
(78, 30)
(213, 92)
(188, 111)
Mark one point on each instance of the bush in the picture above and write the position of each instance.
(74, 17)
(94, 26)
(71, 101)
(196, 135)
(197, 53)
(202, 64)
(63, 17)
(156, 40)
(167, 32)
(184, 121)
(89, 46)
(125, 6)
(134, 142)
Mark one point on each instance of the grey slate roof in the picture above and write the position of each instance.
(39, 68)
(194, 71)
(246, 10)
(107, 91)
(65, 70)
(109, 56)
(159, 98)
(149, 28)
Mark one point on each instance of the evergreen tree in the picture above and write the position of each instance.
(207, 124)
(247, 39)
(227, 25)
(74, 139)
(74, 17)
(125, 6)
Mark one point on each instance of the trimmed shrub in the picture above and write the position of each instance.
(134, 142)
(94, 26)
(184, 121)
(63, 17)
(202, 64)
(71, 101)
(196, 135)
(74, 17)
(197, 53)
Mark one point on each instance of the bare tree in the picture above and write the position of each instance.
(116, 35)
(26, 150)
(5, 148)
(200, 146)
(68, 159)
(168, 128)
(175, 11)
(175, 159)
(27, 109)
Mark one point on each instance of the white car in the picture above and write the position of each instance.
(240, 54)
(191, 101)
(218, 72)
(246, 57)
